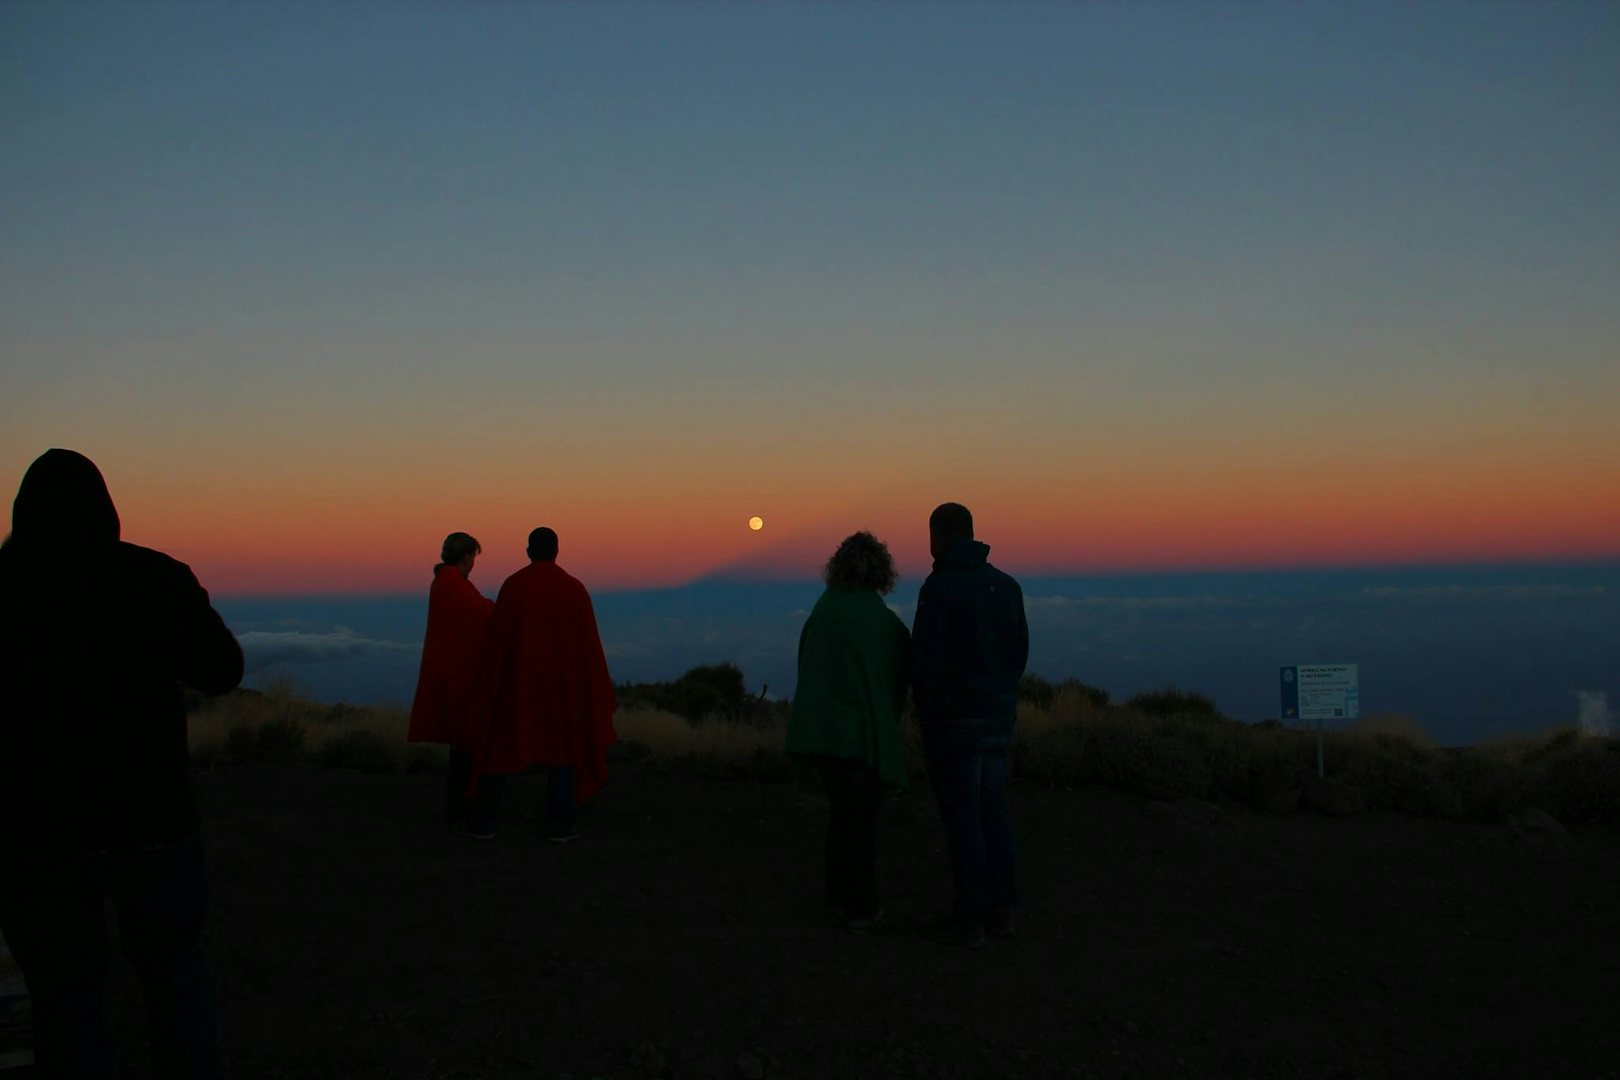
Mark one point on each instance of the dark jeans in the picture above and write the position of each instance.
(456, 775)
(560, 808)
(967, 762)
(51, 912)
(855, 793)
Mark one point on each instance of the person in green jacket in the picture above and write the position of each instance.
(854, 666)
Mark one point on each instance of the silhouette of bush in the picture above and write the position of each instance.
(273, 742)
(206, 753)
(1037, 691)
(1172, 701)
(1042, 692)
(360, 749)
(709, 691)
(1579, 782)
(423, 758)
(1075, 738)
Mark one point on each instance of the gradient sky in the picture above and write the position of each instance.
(1147, 285)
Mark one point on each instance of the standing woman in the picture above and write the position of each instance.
(854, 665)
(449, 690)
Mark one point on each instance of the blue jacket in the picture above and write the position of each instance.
(969, 641)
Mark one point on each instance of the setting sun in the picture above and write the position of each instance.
(756, 523)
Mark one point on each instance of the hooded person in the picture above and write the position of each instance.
(854, 665)
(552, 699)
(970, 642)
(96, 637)
(449, 688)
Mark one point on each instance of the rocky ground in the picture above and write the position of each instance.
(684, 936)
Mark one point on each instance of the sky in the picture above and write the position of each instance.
(1150, 287)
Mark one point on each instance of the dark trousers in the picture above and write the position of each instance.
(967, 762)
(456, 775)
(855, 793)
(52, 915)
(560, 807)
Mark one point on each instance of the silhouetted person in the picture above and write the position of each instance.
(450, 688)
(854, 665)
(96, 637)
(970, 643)
(553, 700)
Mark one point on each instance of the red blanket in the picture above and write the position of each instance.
(449, 690)
(552, 697)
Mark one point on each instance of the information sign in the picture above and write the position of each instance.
(1320, 692)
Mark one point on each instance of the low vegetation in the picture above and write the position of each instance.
(1163, 744)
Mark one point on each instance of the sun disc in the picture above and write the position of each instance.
(756, 523)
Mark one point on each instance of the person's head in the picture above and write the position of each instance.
(948, 523)
(63, 502)
(542, 545)
(460, 550)
(861, 562)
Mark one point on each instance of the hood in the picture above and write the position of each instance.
(963, 555)
(63, 501)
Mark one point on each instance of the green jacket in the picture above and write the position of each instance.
(854, 664)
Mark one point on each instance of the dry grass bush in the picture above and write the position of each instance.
(277, 725)
(1072, 741)
(713, 748)
(1393, 726)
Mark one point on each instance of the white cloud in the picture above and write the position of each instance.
(1136, 603)
(269, 648)
(1459, 592)
(1595, 717)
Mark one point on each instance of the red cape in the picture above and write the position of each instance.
(552, 698)
(449, 690)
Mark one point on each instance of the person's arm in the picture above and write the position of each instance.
(903, 660)
(928, 631)
(207, 655)
(1021, 635)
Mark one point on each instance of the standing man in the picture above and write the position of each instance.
(553, 699)
(96, 637)
(970, 642)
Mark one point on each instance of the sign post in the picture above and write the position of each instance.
(1320, 692)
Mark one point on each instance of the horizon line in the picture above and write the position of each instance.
(1234, 569)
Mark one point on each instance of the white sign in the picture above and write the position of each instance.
(1328, 692)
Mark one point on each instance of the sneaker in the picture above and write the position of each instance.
(476, 832)
(945, 931)
(1002, 924)
(864, 924)
(563, 837)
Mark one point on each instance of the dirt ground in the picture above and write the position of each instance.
(684, 935)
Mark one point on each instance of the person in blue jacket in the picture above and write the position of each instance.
(970, 642)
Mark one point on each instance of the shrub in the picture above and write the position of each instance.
(1580, 782)
(360, 749)
(1042, 693)
(1036, 690)
(274, 742)
(1172, 701)
(1391, 726)
(709, 690)
(422, 758)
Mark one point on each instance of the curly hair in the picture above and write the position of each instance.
(457, 546)
(862, 561)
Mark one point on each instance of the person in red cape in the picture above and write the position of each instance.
(552, 699)
(449, 688)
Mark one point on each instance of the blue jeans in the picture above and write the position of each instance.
(51, 913)
(967, 762)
